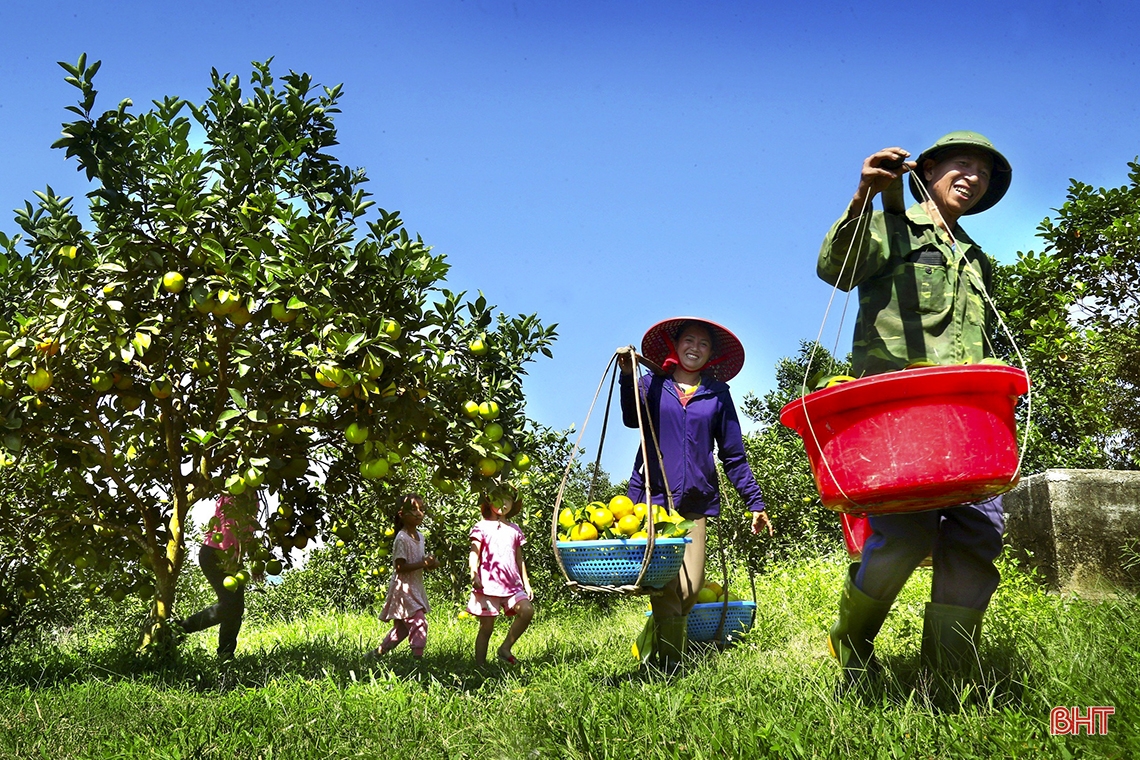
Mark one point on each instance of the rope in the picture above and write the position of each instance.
(1008, 333)
(642, 423)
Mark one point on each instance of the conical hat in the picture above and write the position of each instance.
(727, 359)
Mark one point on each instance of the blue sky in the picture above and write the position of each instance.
(610, 164)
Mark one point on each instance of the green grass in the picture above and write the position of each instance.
(301, 689)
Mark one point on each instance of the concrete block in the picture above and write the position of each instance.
(1079, 528)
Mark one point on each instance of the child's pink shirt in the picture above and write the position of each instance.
(498, 568)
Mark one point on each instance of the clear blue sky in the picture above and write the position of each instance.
(609, 164)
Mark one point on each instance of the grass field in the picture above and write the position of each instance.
(301, 689)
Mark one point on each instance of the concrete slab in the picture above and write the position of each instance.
(1079, 528)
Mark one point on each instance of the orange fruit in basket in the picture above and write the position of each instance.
(640, 534)
(715, 588)
(621, 505)
(641, 509)
(603, 518)
(583, 532)
(629, 524)
(566, 518)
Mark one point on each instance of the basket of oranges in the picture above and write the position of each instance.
(615, 547)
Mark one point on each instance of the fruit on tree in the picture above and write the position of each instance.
(493, 432)
(161, 388)
(281, 313)
(479, 346)
(489, 410)
(39, 379)
(356, 433)
(173, 282)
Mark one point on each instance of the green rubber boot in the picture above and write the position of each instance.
(851, 640)
(672, 635)
(950, 639)
(645, 645)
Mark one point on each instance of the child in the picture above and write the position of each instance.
(499, 579)
(406, 603)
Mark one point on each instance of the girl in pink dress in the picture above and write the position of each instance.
(499, 581)
(406, 604)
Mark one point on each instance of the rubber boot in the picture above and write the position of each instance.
(950, 640)
(851, 640)
(672, 634)
(645, 645)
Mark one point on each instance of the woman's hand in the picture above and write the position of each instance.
(625, 359)
(430, 562)
(760, 519)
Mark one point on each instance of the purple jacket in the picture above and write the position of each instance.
(686, 435)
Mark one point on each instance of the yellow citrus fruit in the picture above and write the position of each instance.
(603, 518)
(706, 595)
(629, 525)
(39, 380)
(640, 534)
(837, 379)
(621, 505)
(566, 518)
(641, 509)
(714, 587)
(583, 532)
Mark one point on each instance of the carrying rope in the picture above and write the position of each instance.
(643, 422)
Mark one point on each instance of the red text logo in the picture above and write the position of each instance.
(1068, 720)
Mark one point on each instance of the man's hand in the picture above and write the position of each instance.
(761, 519)
(879, 171)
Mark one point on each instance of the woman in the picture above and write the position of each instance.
(691, 411)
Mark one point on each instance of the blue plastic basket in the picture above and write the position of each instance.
(704, 619)
(616, 562)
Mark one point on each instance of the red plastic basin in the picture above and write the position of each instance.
(912, 440)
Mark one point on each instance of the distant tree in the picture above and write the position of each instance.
(1074, 310)
(779, 462)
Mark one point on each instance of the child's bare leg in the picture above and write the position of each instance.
(417, 633)
(483, 638)
(519, 624)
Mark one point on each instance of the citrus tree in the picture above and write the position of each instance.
(235, 319)
(1074, 310)
(780, 463)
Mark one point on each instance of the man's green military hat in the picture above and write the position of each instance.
(999, 177)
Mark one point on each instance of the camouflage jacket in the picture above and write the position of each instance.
(920, 299)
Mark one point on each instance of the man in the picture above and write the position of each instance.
(923, 287)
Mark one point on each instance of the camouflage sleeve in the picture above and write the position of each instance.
(854, 249)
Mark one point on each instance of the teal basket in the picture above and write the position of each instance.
(616, 562)
(705, 618)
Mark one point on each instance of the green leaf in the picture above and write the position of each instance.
(239, 399)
